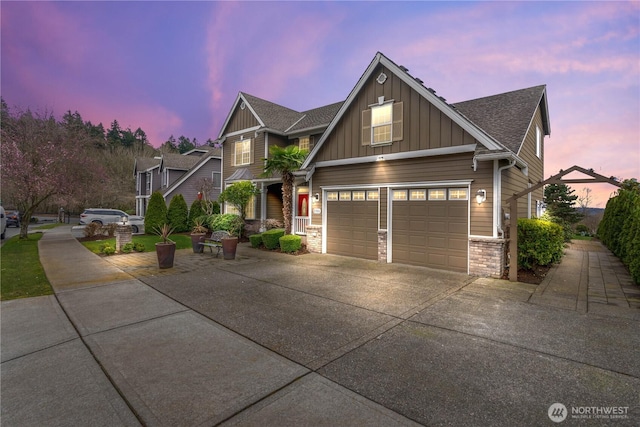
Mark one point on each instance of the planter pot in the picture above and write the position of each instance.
(166, 252)
(196, 239)
(229, 246)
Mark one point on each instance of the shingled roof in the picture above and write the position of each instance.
(274, 116)
(145, 163)
(178, 161)
(506, 116)
(317, 117)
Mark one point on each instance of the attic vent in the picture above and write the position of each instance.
(382, 78)
(403, 68)
(242, 105)
(418, 80)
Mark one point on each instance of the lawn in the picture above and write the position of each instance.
(22, 273)
(148, 240)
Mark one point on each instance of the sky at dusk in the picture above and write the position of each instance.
(175, 68)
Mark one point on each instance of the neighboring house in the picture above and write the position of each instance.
(396, 172)
(173, 174)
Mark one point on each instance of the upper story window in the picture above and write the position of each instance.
(382, 123)
(538, 142)
(148, 182)
(242, 152)
(303, 143)
(216, 177)
(165, 178)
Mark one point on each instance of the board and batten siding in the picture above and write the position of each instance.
(423, 169)
(241, 119)
(514, 181)
(424, 126)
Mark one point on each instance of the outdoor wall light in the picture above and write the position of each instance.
(481, 196)
(316, 197)
(124, 220)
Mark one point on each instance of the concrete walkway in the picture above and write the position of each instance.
(270, 339)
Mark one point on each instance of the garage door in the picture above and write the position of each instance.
(352, 223)
(429, 228)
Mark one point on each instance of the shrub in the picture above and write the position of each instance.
(92, 229)
(110, 229)
(156, 214)
(107, 249)
(290, 243)
(271, 238)
(127, 249)
(539, 242)
(256, 240)
(582, 229)
(196, 211)
(178, 214)
(272, 223)
(138, 247)
(227, 222)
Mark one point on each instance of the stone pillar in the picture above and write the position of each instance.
(123, 236)
(486, 256)
(382, 245)
(314, 238)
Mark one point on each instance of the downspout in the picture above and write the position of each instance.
(498, 193)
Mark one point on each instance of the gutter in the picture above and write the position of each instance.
(511, 157)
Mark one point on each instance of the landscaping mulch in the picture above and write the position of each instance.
(534, 276)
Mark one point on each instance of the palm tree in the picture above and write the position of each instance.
(285, 161)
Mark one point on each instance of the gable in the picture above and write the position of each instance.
(417, 125)
(442, 110)
(241, 118)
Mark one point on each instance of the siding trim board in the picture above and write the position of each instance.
(469, 148)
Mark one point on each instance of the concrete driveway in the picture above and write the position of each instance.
(271, 339)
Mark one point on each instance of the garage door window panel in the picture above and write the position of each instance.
(458, 194)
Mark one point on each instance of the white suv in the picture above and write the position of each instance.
(106, 216)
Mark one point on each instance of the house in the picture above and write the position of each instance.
(196, 171)
(251, 127)
(398, 174)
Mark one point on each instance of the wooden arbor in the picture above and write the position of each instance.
(513, 207)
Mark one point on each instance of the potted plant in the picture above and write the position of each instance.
(198, 234)
(230, 244)
(166, 249)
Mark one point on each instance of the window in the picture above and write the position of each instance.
(458, 194)
(399, 194)
(358, 195)
(345, 195)
(242, 152)
(148, 182)
(418, 195)
(332, 196)
(538, 142)
(216, 178)
(437, 194)
(249, 210)
(165, 178)
(373, 195)
(303, 143)
(381, 124)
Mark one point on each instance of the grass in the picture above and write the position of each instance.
(148, 240)
(581, 237)
(22, 273)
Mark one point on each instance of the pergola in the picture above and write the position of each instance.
(555, 179)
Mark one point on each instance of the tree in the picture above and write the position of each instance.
(285, 161)
(195, 211)
(114, 134)
(560, 200)
(41, 162)
(239, 195)
(178, 214)
(184, 144)
(169, 146)
(156, 215)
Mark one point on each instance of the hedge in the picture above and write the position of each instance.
(178, 214)
(619, 229)
(539, 242)
(256, 240)
(271, 238)
(290, 243)
(156, 214)
(228, 222)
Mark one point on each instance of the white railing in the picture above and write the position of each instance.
(300, 224)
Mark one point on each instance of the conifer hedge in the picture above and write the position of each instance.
(156, 214)
(178, 214)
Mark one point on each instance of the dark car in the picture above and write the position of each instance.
(13, 219)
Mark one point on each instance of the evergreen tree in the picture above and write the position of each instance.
(185, 144)
(197, 210)
(560, 200)
(156, 215)
(178, 214)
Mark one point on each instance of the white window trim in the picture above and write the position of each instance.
(538, 142)
(242, 152)
(388, 104)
